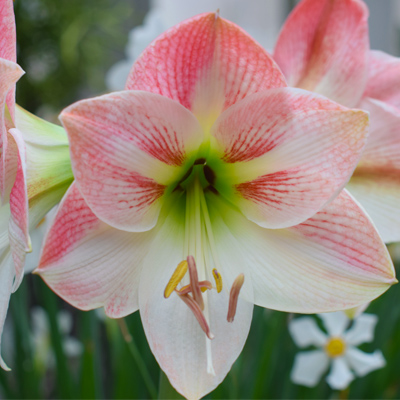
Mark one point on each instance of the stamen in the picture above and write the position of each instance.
(218, 280)
(195, 308)
(204, 285)
(234, 296)
(176, 277)
(194, 282)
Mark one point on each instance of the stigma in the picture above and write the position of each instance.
(335, 347)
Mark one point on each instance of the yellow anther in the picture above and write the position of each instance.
(335, 347)
(176, 277)
(218, 280)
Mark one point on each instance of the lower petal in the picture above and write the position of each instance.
(340, 375)
(364, 363)
(194, 364)
(308, 367)
(333, 261)
(90, 264)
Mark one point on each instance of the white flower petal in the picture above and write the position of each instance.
(308, 367)
(364, 363)
(340, 375)
(305, 332)
(362, 330)
(335, 323)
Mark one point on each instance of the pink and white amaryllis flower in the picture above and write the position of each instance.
(324, 47)
(189, 190)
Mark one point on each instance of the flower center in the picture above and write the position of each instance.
(335, 347)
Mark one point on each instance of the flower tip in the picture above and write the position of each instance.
(217, 14)
(36, 271)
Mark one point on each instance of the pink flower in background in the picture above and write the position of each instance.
(205, 188)
(324, 47)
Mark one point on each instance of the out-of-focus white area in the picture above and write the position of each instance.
(262, 19)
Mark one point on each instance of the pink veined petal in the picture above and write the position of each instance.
(126, 148)
(333, 261)
(90, 264)
(9, 75)
(7, 273)
(384, 78)
(8, 44)
(19, 224)
(287, 153)
(194, 364)
(323, 47)
(207, 64)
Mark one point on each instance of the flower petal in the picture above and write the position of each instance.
(194, 365)
(287, 153)
(9, 75)
(305, 332)
(8, 44)
(7, 274)
(126, 148)
(308, 367)
(362, 330)
(207, 64)
(364, 363)
(340, 376)
(19, 225)
(90, 264)
(383, 78)
(333, 261)
(323, 47)
(335, 323)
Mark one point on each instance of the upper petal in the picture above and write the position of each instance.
(207, 64)
(333, 261)
(194, 364)
(90, 264)
(323, 47)
(305, 332)
(286, 153)
(383, 78)
(335, 323)
(8, 43)
(126, 148)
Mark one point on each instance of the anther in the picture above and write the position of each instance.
(176, 277)
(218, 280)
(194, 307)
(194, 282)
(209, 174)
(234, 297)
(204, 285)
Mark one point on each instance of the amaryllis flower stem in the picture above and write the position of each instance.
(138, 358)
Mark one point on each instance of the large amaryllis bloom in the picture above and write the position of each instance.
(190, 188)
(324, 47)
(48, 176)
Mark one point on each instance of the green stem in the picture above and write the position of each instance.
(138, 358)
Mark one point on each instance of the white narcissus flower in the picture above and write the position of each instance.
(210, 163)
(324, 47)
(338, 348)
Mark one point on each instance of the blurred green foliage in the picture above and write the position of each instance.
(67, 46)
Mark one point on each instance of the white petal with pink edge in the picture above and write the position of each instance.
(323, 47)
(90, 264)
(194, 364)
(287, 153)
(223, 65)
(126, 148)
(384, 78)
(333, 261)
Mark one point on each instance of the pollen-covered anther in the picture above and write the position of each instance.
(218, 280)
(176, 277)
(194, 282)
(234, 297)
(201, 319)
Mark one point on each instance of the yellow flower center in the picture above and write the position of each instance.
(335, 347)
